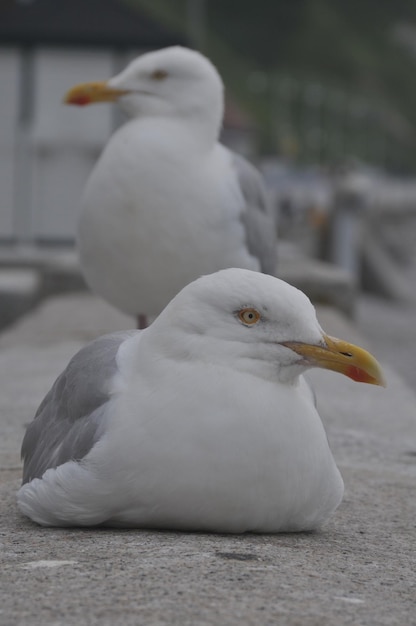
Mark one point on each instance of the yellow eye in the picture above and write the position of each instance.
(159, 75)
(249, 316)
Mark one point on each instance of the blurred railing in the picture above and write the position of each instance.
(359, 219)
(314, 122)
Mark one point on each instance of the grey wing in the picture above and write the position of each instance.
(258, 218)
(71, 418)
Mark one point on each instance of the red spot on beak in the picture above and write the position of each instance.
(80, 100)
(359, 375)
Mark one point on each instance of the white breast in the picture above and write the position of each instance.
(237, 455)
(156, 215)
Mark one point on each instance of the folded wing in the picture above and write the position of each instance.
(72, 417)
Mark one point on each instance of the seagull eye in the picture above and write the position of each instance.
(159, 75)
(248, 316)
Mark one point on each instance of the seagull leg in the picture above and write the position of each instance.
(142, 321)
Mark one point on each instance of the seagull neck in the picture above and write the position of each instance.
(268, 369)
(179, 133)
(184, 347)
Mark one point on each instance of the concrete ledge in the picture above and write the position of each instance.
(58, 266)
(322, 282)
(39, 273)
(20, 290)
(383, 275)
(28, 275)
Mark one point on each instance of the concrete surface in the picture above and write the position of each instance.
(359, 569)
(20, 289)
(322, 282)
(391, 325)
(29, 274)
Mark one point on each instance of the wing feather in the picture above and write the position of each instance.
(72, 416)
(257, 217)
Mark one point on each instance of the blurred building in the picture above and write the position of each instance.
(46, 149)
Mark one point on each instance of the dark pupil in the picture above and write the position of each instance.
(251, 315)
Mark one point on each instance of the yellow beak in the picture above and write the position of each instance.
(90, 93)
(340, 356)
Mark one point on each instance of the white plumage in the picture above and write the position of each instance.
(166, 202)
(203, 421)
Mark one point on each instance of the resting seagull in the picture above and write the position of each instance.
(203, 421)
(166, 202)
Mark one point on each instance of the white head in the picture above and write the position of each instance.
(175, 82)
(257, 323)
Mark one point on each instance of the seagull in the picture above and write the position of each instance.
(166, 202)
(201, 422)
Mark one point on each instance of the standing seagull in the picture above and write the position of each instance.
(166, 202)
(203, 421)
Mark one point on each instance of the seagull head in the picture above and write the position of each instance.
(257, 323)
(174, 82)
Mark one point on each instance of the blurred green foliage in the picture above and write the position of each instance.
(277, 55)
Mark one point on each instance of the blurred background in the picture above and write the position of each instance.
(320, 95)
